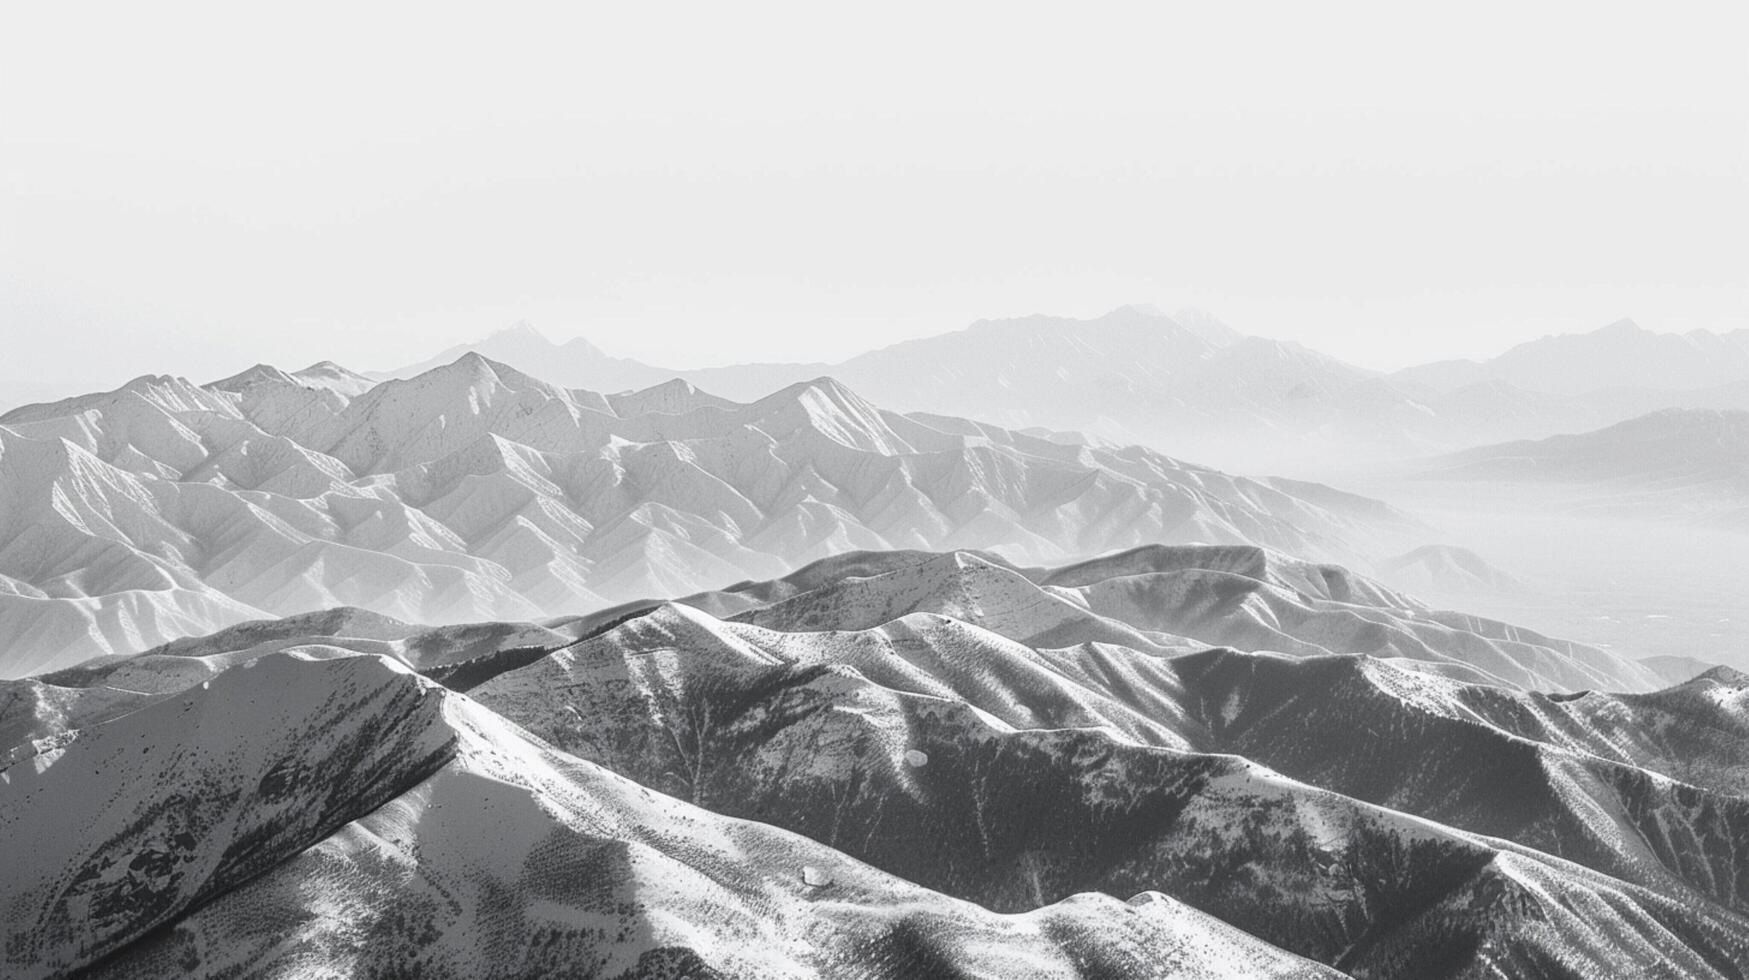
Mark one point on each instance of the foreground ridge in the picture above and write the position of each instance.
(885, 764)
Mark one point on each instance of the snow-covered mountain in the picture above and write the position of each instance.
(1193, 387)
(474, 491)
(1169, 600)
(881, 765)
(370, 823)
(576, 363)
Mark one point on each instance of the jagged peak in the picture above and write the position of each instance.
(335, 378)
(162, 392)
(148, 382)
(822, 390)
(674, 396)
(330, 368)
(521, 328)
(829, 407)
(522, 334)
(672, 384)
(243, 380)
(473, 367)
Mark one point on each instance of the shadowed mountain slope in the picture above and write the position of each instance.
(884, 764)
(369, 823)
(1013, 776)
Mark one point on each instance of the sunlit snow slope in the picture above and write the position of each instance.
(473, 491)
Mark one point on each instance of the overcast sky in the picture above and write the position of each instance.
(194, 189)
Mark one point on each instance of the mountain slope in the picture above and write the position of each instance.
(374, 825)
(1034, 774)
(475, 491)
(885, 764)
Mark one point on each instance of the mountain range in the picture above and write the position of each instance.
(474, 491)
(1688, 465)
(1619, 356)
(745, 674)
(884, 764)
(1193, 387)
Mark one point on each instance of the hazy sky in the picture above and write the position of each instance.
(194, 189)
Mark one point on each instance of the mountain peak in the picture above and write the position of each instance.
(826, 405)
(149, 381)
(521, 340)
(1728, 676)
(476, 367)
(522, 329)
(824, 386)
(243, 380)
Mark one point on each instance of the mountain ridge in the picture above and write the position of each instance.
(934, 780)
(1203, 390)
(476, 491)
(1620, 354)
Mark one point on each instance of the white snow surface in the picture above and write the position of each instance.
(473, 491)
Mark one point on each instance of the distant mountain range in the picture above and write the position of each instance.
(883, 765)
(1191, 386)
(1687, 465)
(474, 491)
(1621, 355)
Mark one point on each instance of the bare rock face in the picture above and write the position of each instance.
(301, 815)
(191, 796)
